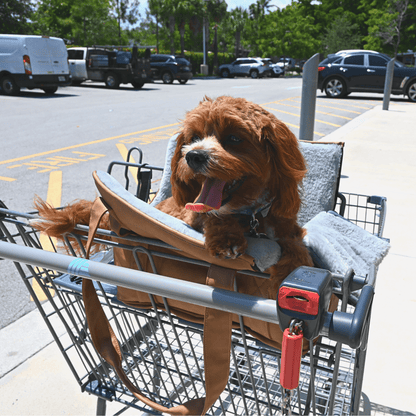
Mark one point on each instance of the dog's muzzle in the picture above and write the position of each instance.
(197, 159)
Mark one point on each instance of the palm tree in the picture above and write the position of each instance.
(258, 10)
(184, 11)
(238, 17)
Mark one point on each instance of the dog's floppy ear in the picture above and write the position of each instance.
(182, 192)
(288, 168)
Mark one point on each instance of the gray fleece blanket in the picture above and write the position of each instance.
(341, 245)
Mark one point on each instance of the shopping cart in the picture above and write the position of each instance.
(162, 353)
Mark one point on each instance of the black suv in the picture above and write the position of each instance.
(170, 67)
(363, 71)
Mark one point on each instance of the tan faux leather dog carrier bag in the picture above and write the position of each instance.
(139, 218)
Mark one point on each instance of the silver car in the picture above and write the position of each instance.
(252, 67)
(276, 70)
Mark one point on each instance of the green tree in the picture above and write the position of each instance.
(341, 34)
(14, 16)
(287, 32)
(84, 22)
(144, 33)
(53, 18)
(256, 25)
(164, 12)
(216, 11)
(300, 38)
(237, 19)
(155, 9)
(93, 23)
(386, 26)
(185, 10)
(127, 12)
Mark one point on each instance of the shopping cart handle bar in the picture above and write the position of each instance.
(234, 302)
(349, 328)
(338, 326)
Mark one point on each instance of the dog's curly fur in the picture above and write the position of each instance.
(257, 156)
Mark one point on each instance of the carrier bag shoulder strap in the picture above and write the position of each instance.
(216, 342)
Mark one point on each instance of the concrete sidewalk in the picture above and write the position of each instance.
(380, 159)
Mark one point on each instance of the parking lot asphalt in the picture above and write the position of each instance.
(380, 150)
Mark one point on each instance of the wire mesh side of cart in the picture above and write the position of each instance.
(164, 355)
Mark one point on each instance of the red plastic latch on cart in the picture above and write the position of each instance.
(299, 300)
(291, 359)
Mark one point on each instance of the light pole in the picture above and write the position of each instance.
(203, 40)
(204, 66)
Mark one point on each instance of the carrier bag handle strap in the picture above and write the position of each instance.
(217, 335)
(217, 338)
(98, 209)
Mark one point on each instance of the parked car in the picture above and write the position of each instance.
(32, 62)
(363, 71)
(286, 63)
(114, 67)
(275, 70)
(171, 67)
(348, 51)
(253, 67)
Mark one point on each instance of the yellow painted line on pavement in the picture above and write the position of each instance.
(290, 124)
(281, 111)
(76, 146)
(280, 101)
(337, 108)
(6, 179)
(327, 122)
(320, 112)
(334, 115)
(348, 104)
(123, 151)
(298, 115)
(53, 198)
(334, 108)
(356, 106)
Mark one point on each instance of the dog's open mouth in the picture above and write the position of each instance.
(212, 193)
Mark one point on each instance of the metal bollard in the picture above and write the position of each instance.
(387, 84)
(308, 104)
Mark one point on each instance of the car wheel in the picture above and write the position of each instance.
(335, 88)
(225, 73)
(9, 86)
(137, 85)
(254, 73)
(50, 90)
(183, 81)
(111, 80)
(411, 91)
(167, 78)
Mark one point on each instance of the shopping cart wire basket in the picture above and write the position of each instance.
(163, 354)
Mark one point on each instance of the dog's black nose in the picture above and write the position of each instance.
(197, 159)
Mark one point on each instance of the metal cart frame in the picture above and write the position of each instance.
(162, 353)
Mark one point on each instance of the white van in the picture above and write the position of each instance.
(32, 62)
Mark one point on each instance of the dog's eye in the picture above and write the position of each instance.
(231, 139)
(195, 138)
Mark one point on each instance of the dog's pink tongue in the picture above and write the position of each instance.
(209, 198)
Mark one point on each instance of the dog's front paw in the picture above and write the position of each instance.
(227, 248)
